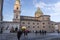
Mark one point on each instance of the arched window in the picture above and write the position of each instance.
(17, 8)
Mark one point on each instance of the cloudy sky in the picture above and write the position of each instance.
(28, 8)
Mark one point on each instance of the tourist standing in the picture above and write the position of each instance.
(19, 33)
(25, 33)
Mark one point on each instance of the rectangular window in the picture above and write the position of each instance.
(37, 23)
(37, 26)
(43, 23)
(28, 26)
(33, 23)
(28, 23)
(43, 26)
(33, 26)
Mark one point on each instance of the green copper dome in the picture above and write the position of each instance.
(39, 11)
(18, 0)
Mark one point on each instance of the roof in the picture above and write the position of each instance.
(9, 22)
(29, 18)
(45, 15)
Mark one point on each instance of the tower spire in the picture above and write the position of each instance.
(17, 11)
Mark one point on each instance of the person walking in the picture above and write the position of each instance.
(19, 33)
(25, 33)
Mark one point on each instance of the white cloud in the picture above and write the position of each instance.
(50, 9)
(38, 4)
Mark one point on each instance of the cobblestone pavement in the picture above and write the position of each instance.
(30, 36)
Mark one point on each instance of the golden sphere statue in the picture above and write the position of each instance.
(23, 28)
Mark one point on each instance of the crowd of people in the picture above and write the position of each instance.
(25, 32)
(41, 32)
(20, 32)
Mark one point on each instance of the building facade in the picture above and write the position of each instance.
(36, 23)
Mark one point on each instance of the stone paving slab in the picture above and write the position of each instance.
(31, 36)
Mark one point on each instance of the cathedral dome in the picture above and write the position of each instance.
(38, 13)
(18, 0)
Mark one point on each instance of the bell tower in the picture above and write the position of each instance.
(17, 11)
